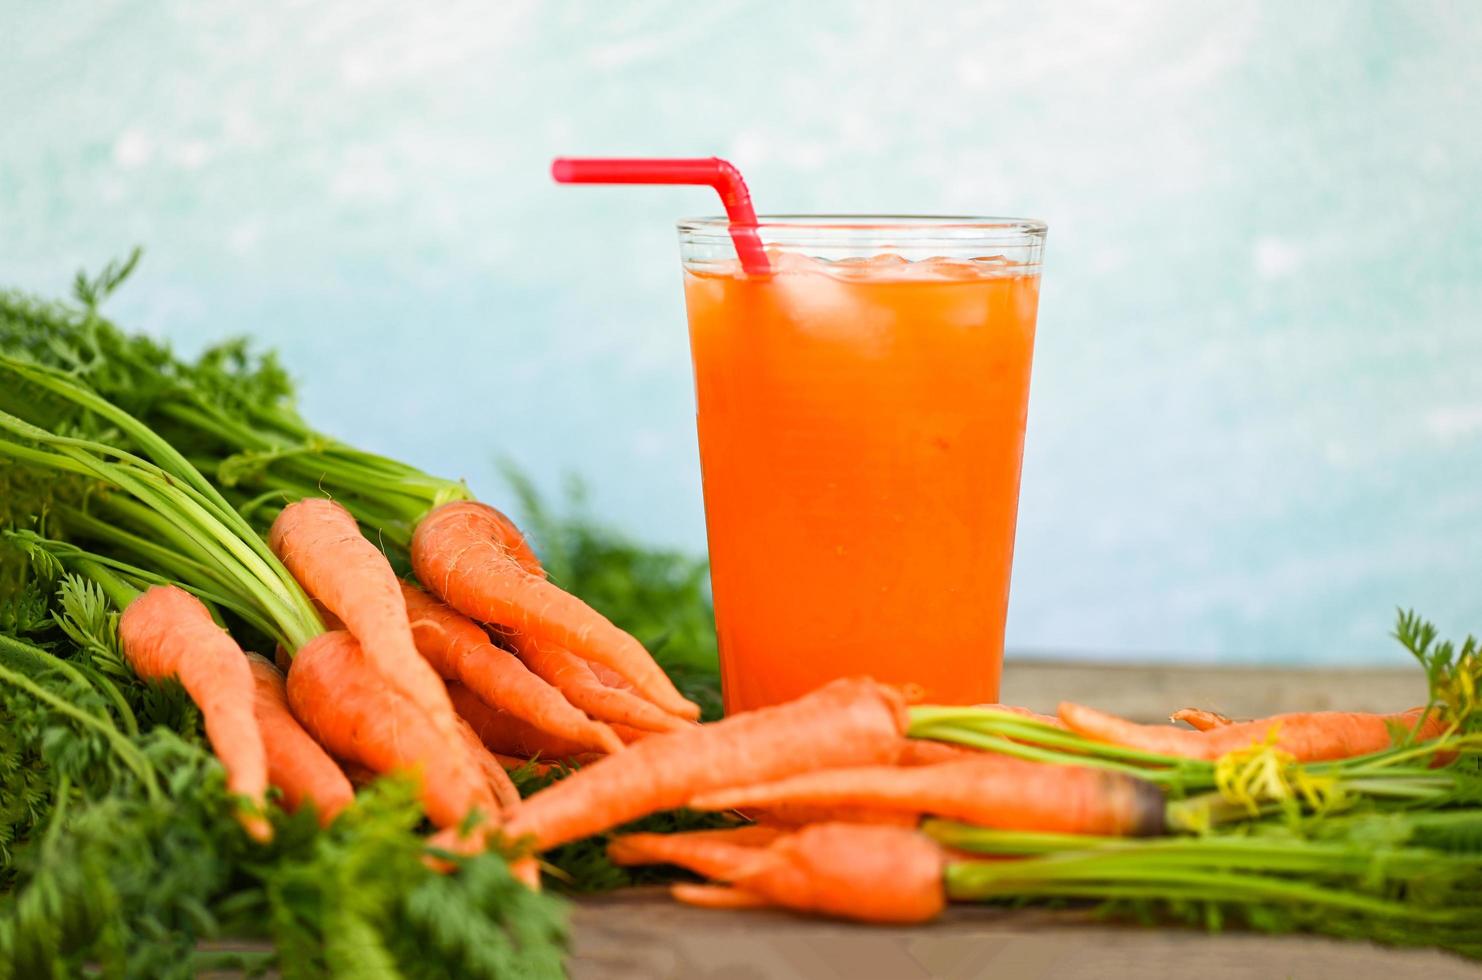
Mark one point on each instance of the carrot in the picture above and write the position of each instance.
(1311, 736)
(1200, 719)
(628, 733)
(993, 791)
(495, 777)
(925, 752)
(460, 651)
(802, 814)
(851, 721)
(470, 555)
(706, 854)
(574, 678)
(716, 897)
(322, 546)
(507, 734)
(342, 701)
(872, 874)
(302, 771)
(168, 633)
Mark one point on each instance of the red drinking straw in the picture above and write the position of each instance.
(709, 171)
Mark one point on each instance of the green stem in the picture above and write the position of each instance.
(40, 659)
(125, 749)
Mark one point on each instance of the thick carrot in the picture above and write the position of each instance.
(460, 651)
(993, 791)
(872, 874)
(322, 546)
(1310, 737)
(1200, 719)
(574, 678)
(341, 700)
(507, 734)
(168, 633)
(495, 777)
(297, 766)
(716, 897)
(867, 873)
(796, 815)
(851, 721)
(462, 552)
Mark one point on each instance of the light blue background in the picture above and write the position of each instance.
(1257, 419)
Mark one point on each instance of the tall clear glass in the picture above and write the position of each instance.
(861, 420)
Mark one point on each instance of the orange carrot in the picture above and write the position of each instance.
(872, 874)
(460, 651)
(322, 546)
(297, 766)
(716, 897)
(993, 791)
(574, 678)
(463, 552)
(169, 633)
(342, 701)
(628, 733)
(802, 814)
(1311, 737)
(507, 734)
(852, 721)
(495, 777)
(1199, 719)
(925, 752)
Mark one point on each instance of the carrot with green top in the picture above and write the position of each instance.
(992, 791)
(865, 873)
(1315, 736)
(168, 634)
(852, 721)
(459, 650)
(511, 735)
(576, 680)
(343, 702)
(322, 546)
(470, 555)
(301, 770)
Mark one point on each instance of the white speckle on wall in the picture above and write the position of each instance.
(1254, 429)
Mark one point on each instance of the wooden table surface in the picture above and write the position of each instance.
(642, 934)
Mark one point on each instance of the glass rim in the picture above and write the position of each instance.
(917, 230)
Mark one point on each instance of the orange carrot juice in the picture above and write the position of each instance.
(861, 426)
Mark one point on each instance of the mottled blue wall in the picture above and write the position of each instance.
(1257, 420)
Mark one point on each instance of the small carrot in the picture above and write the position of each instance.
(464, 552)
(297, 766)
(1200, 719)
(871, 874)
(507, 734)
(342, 701)
(168, 633)
(575, 679)
(1315, 736)
(716, 897)
(851, 721)
(322, 546)
(495, 777)
(460, 651)
(993, 791)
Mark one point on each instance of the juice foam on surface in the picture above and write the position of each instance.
(882, 267)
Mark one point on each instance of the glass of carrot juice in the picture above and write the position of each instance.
(861, 421)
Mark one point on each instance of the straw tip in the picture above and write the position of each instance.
(561, 170)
